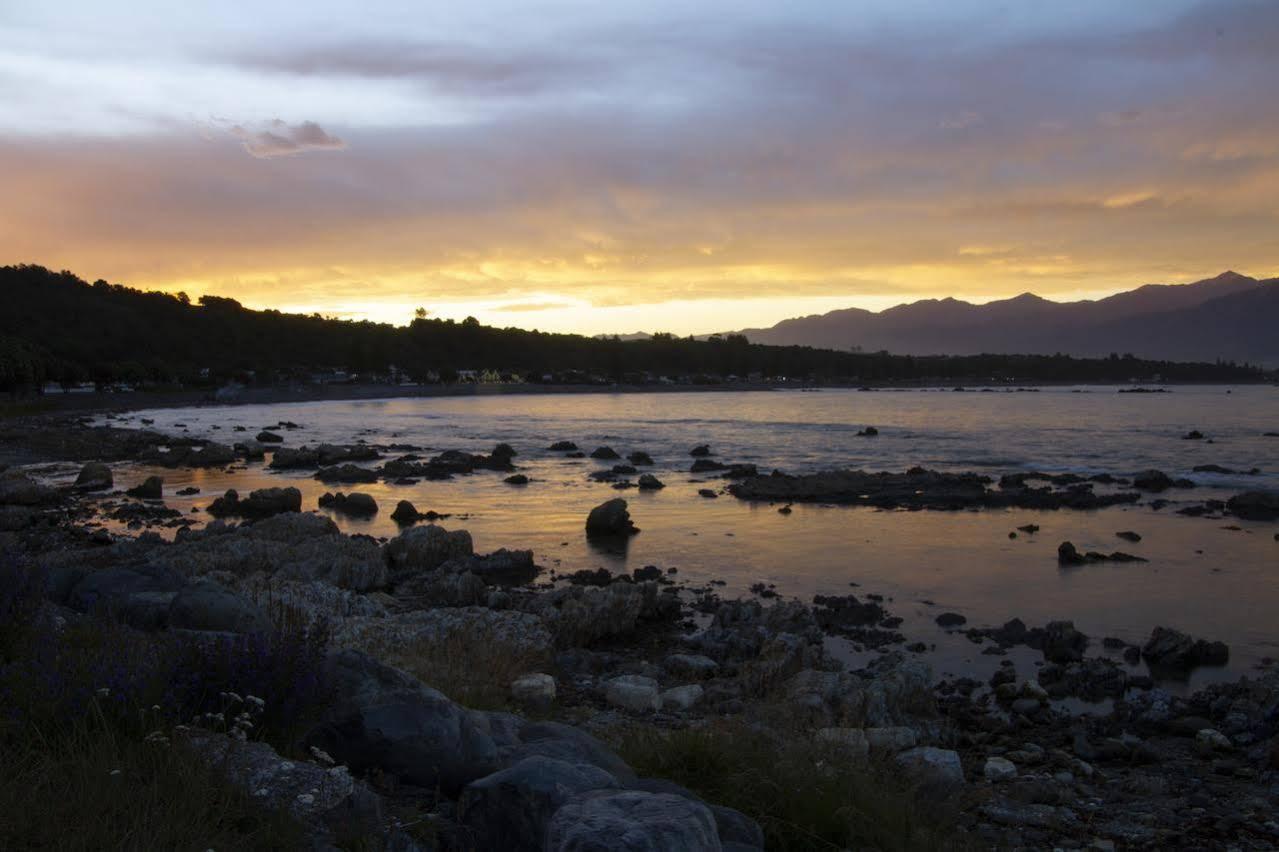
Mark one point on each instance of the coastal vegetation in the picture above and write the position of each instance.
(57, 328)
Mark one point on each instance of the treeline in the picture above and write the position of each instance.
(55, 327)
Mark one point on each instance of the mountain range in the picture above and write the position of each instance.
(1231, 317)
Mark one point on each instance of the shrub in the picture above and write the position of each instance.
(804, 795)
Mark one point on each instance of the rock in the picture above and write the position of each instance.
(635, 693)
(1129, 535)
(140, 598)
(265, 437)
(706, 465)
(632, 821)
(639, 457)
(383, 719)
(868, 432)
(579, 615)
(516, 479)
(405, 513)
(151, 489)
(328, 801)
(518, 739)
(605, 453)
(934, 765)
(706, 493)
(701, 450)
(188, 491)
(682, 697)
(356, 503)
(503, 453)
(347, 474)
(206, 605)
(94, 476)
(1068, 554)
(1193, 435)
(261, 503)
(891, 740)
(648, 482)
(852, 741)
(999, 769)
(1062, 643)
(18, 489)
(610, 519)
(425, 549)
(950, 619)
(1209, 740)
(690, 665)
(507, 632)
(893, 690)
(533, 690)
(512, 808)
(1173, 650)
(562, 447)
(1157, 480)
(1255, 505)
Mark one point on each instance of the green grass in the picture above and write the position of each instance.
(804, 795)
(93, 788)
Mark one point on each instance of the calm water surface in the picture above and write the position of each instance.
(1202, 577)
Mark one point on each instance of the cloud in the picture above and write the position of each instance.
(281, 139)
(530, 307)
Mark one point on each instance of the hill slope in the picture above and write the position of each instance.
(1231, 316)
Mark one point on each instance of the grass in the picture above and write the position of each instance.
(805, 796)
(475, 668)
(93, 787)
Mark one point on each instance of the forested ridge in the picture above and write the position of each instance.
(56, 327)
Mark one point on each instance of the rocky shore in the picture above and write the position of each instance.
(483, 701)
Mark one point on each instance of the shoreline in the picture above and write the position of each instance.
(277, 394)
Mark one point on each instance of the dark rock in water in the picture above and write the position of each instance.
(355, 503)
(346, 473)
(94, 476)
(648, 482)
(1193, 435)
(950, 619)
(260, 504)
(425, 549)
(1173, 650)
(1212, 468)
(382, 719)
(562, 447)
(151, 489)
(188, 491)
(265, 437)
(591, 577)
(1255, 505)
(605, 453)
(838, 613)
(707, 493)
(1113, 643)
(1129, 535)
(868, 432)
(1062, 643)
(700, 450)
(1157, 480)
(785, 510)
(639, 457)
(1068, 554)
(511, 809)
(1029, 528)
(741, 471)
(503, 452)
(610, 519)
(206, 605)
(624, 469)
(324, 455)
(405, 513)
(516, 479)
(917, 488)
(704, 465)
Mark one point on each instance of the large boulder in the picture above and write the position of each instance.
(893, 690)
(512, 808)
(636, 693)
(18, 489)
(425, 549)
(206, 605)
(610, 519)
(1062, 643)
(517, 739)
(632, 821)
(1255, 505)
(94, 476)
(262, 503)
(1173, 650)
(357, 503)
(346, 473)
(935, 767)
(582, 615)
(152, 488)
(138, 597)
(382, 719)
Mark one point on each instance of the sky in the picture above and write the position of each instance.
(624, 166)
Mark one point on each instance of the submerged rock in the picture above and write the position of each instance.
(356, 503)
(262, 503)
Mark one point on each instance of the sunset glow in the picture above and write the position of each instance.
(643, 167)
